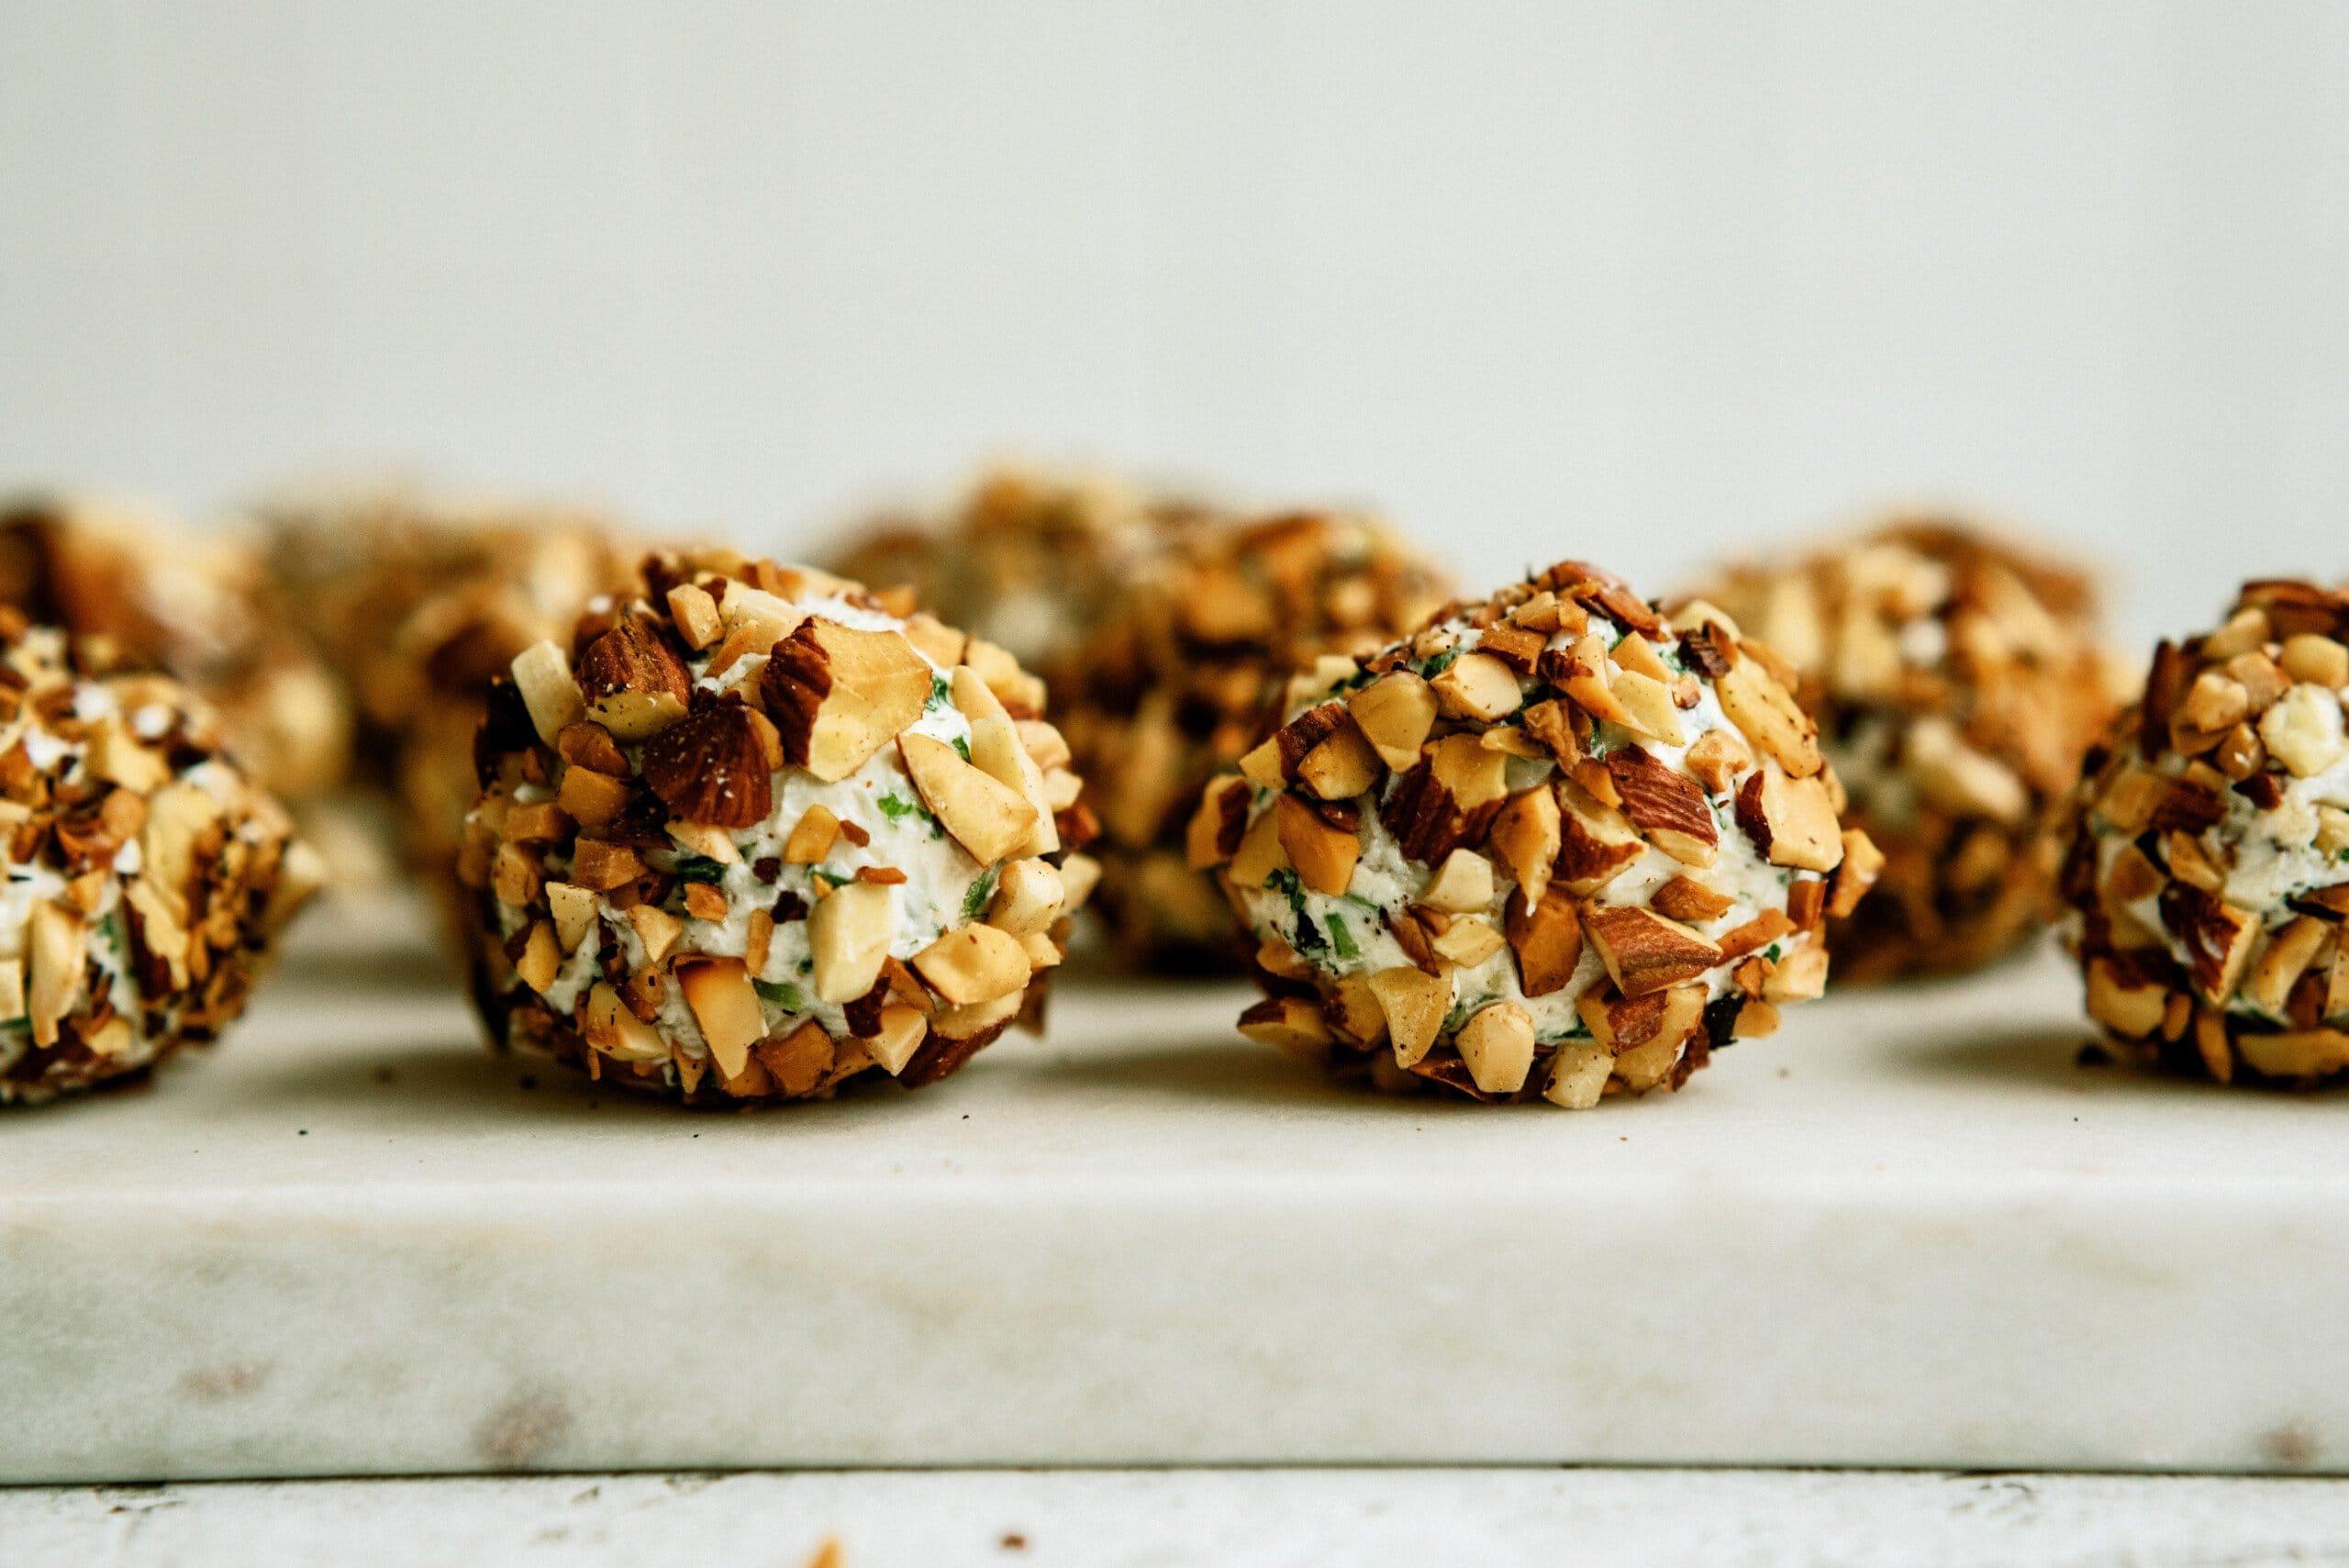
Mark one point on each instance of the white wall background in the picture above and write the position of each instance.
(1632, 280)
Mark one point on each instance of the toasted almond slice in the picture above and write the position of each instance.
(574, 911)
(726, 1005)
(1800, 976)
(1496, 1046)
(996, 750)
(985, 816)
(544, 677)
(1395, 714)
(1862, 861)
(1587, 680)
(1648, 706)
(1637, 655)
(656, 928)
(848, 937)
(1341, 767)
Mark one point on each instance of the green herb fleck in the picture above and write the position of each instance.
(941, 692)
(699, 868)
(1771, 952)
(1343, 939)
(963, 747)
(897, 807)
(1365, 903)
(831, 877)
(782, 993)
(1430, 668)
(975, 902)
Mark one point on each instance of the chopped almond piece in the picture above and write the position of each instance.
(590, 798)
(657, 929)
(1648, 706)
(1467, 941)
(695, 615)
(1686, 899)
(2125, 1004)
(1477, 687)
(1461, 883)
(1526, 837)
(1323, 854)
(1578, 1076)
(726, 1005)
(1667, 805)
(838, 694)
(903, 1029)
(541, 958)
(617, 1032)
(985, 816)
(1790, 820)
(544, 677)
(1717, 758)
(1289, 1023)
(1546, 936)
(1598, 842)
(1474, 776)
(1028, 897)
(1260, 855)
(1643, 951)
(635, 684)
(1862, 862)
(812, 837)
(974, 964)
(574, 911)
(57, 943)
(1215, 829)
(848, 937)
(1414, 1003)
(1770, 718)
(1497, 1045)
(1800, 976)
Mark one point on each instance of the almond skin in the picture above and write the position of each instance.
(1643, 951)
(634, 682)
(1667, 805)
(711, 767)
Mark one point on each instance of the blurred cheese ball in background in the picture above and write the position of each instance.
(751, 834)
(200, 607)
(1549, 847)
(1179, 676)
(147, 875)
(1027, 560)
(1957, 681)
(416, 601)
(2208, 872)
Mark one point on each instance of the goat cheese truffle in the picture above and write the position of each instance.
(755, 835)
(1551, 846)
(1027, 559)
(1175, 683)
(2207, 868)
(146, 874)
(418, 600)
(202, 608)
(1957, 683)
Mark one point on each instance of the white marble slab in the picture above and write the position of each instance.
(1257, 1518)
(1906, 1232)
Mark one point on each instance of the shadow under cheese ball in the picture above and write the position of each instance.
(1957, 681)
(1177, 680)
(2207, 869)
(147, 876)
(755, 832)
(1553, 846)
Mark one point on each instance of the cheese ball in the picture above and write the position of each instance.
(147, 875)
(1552, 847)
(1176, 683)
(750, 835)
(1027, 559)
(2207, 868)
(1957, 681)
(200, 608)
(417, 601)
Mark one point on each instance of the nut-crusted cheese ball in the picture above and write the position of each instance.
(418, 600)
(1027, 560)
(754, 834)
(201, 607)
(2208, 872)
(1957, 681)
(1551, 846)
(146, 874)
(1173, 685)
